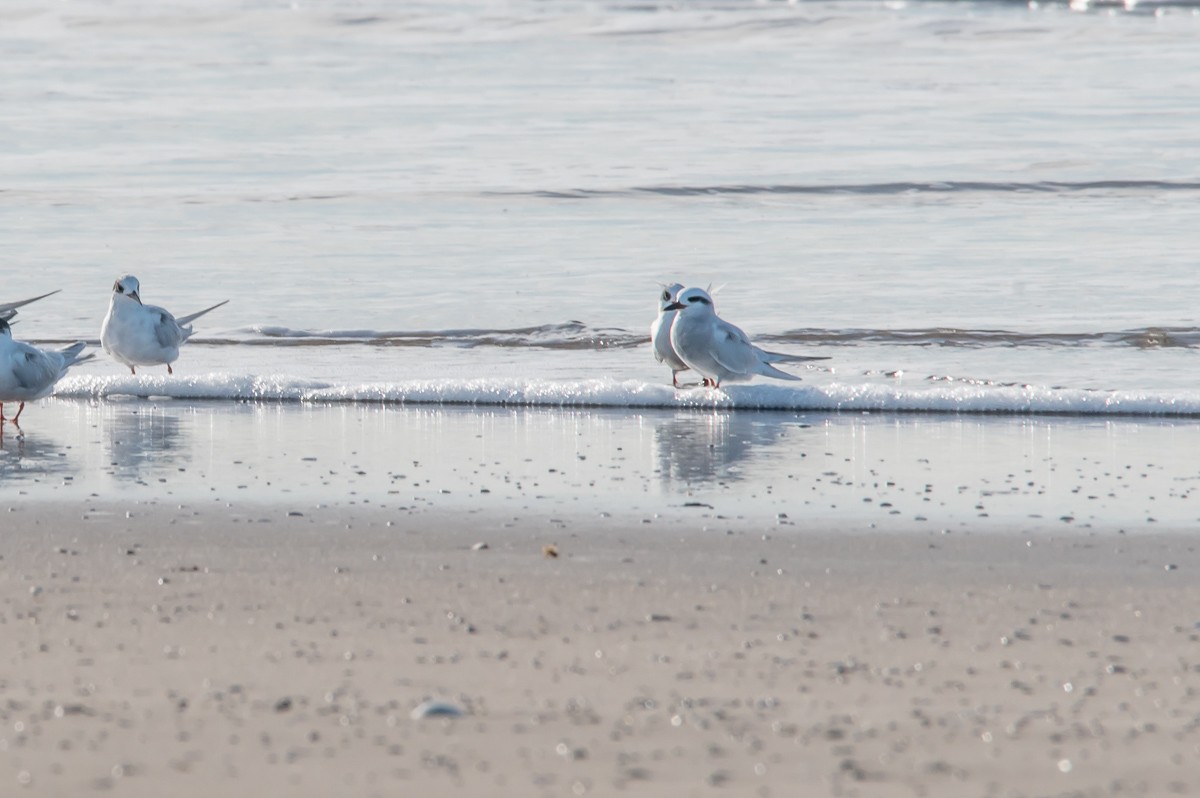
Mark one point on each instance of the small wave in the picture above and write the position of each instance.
(567, 335)
(577, 335)
(1143, 338)
(970, 397)
(574, 335)
(870, 189)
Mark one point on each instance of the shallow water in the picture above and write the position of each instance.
(797, 471)
(936, 195)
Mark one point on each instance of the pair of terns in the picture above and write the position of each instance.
(688, 334)
(134, 333)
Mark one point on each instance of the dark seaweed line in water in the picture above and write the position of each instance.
(868, 189)
(625, 341)
(576, 336)
(581, 337)
(1145, 338)
(500, 341)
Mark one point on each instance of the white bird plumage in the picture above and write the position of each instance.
(28, 373)
(717, 350)
(143, 335)
(660, 332)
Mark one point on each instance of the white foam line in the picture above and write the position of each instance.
(1031, 400)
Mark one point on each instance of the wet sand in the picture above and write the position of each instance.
(252, 599)
(198, 650)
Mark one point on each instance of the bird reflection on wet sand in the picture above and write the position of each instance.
(697, 449)
(33, 457)
(140, 443)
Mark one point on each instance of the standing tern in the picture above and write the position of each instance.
(143, 335)
(28, 373)
(660, 333)
(717, 350)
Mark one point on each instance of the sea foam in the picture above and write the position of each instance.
(610, 393)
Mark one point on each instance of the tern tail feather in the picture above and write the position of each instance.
(767, 370)
(191, 317)
(780, 357)
(71, 354)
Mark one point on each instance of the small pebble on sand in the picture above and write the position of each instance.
(436, 709)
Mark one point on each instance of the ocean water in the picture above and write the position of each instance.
(967, 206)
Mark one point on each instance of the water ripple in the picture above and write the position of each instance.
(575, 335)
(869, 189)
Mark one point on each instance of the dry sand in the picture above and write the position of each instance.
(245, 651)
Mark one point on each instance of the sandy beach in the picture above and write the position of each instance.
(418, 512)
(243, 599)
(221, 648)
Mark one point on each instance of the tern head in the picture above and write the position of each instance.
(693, 301)
(667, 295)
(127, 286)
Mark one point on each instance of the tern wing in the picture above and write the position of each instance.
(733, 350)
(9, 309)
(33, 369)
(167, 331)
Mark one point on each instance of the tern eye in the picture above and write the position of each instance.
(698, 299)
(666, 296)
